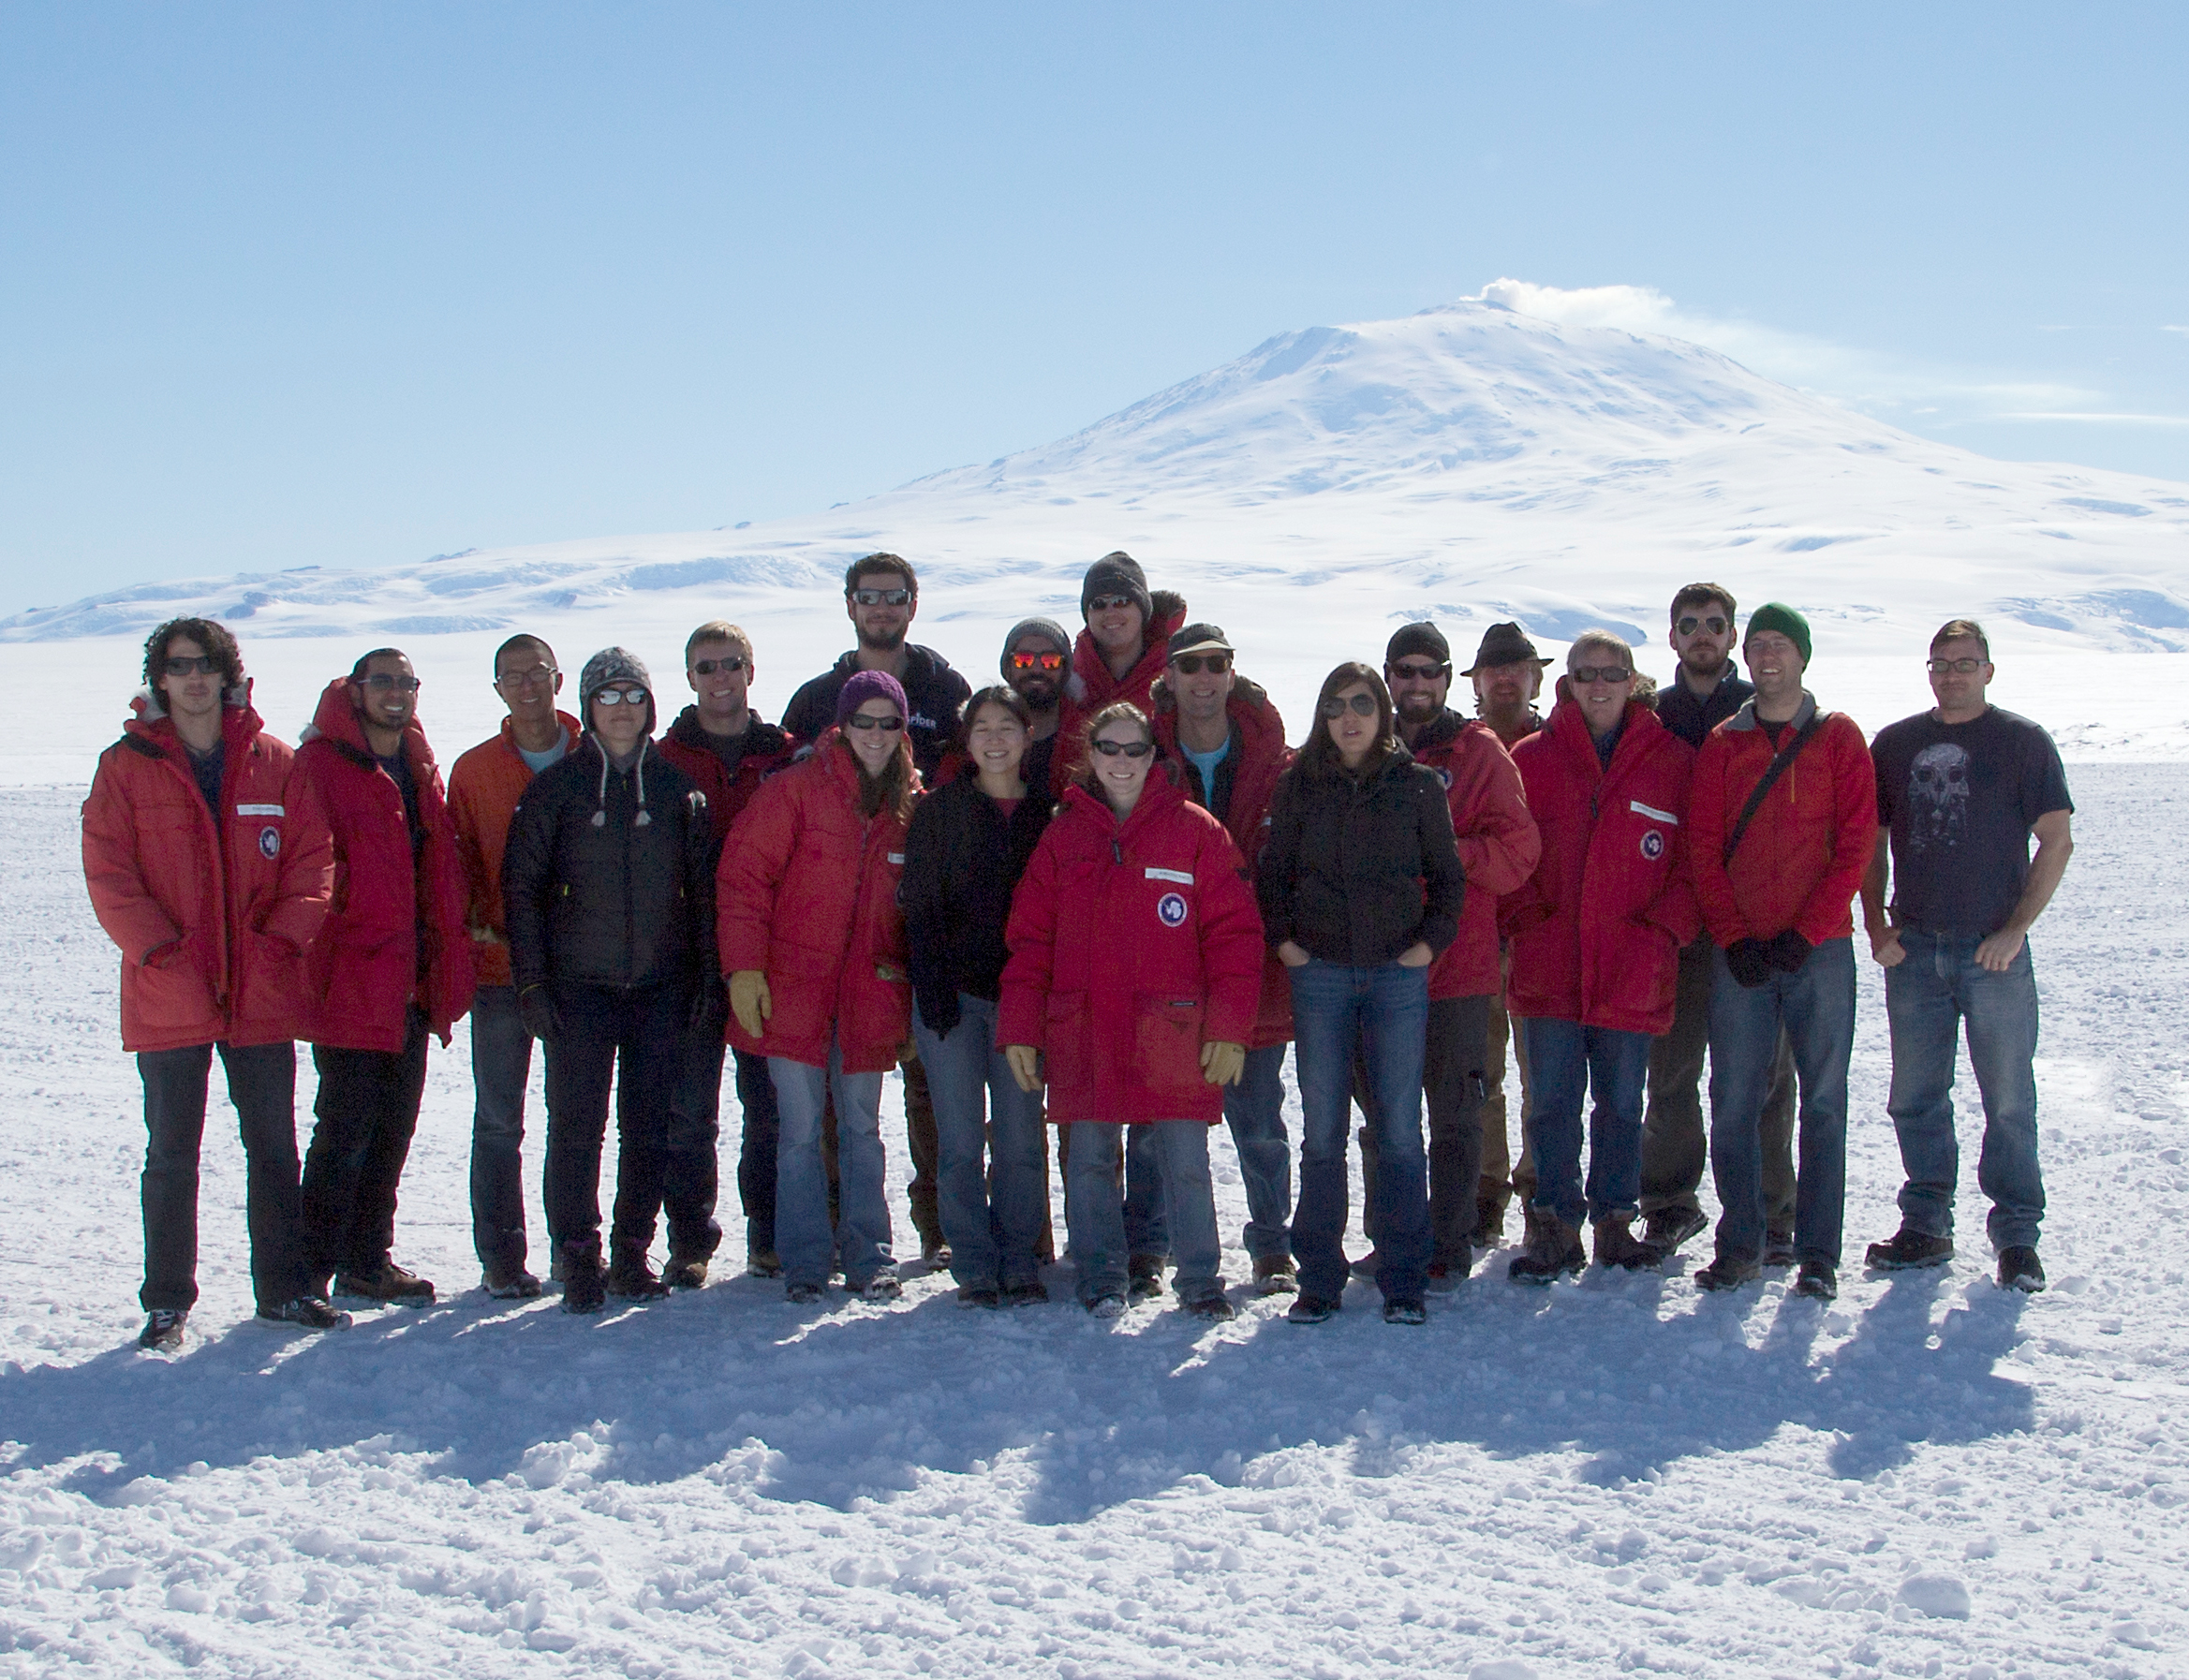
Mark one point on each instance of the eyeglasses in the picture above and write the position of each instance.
(1191, 663)
(1421, 673)
(1110, 603)
(1938, 667)
(177, 665)
(888, 726)
(621, 697)
(883, 597)
(1037, 661)
(1337, 704)
(382, 681)
(1132, 749)
(1687, 626)
(1602, 673)
(532, 678)
(707, 668)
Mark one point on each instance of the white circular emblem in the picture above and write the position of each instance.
(269, 843)
(1444, 776)
(1652, 845)
(1170, 906)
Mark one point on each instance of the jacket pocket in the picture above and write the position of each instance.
(1166, 1042)
(1068, 1043)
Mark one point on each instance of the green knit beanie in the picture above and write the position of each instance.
(1776, 615)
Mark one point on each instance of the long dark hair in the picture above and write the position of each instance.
(893, 788)
(1116, 711)
(1319, 753)
(996, 694)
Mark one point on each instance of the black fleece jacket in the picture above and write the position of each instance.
(963, 860)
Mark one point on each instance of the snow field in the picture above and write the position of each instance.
(1928, 1478)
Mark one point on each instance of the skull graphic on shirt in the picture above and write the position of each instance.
(1938, 797)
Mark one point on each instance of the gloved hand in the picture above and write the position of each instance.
(536, 1009)
(1026, 1066)
(1787, 951)
(749, 1001)
(1221, 1064)
(1749, 961)
(710, 1007)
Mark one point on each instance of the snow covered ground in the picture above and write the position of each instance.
(1929, 1478)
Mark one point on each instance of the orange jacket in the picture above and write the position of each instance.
(212, 917)
(1498, 840)
(483, 789)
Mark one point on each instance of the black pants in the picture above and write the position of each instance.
(691, 1164)
(1453, 1085)
(643, 1028)
(261, 1084)
(756, 1151)
(367, 1110)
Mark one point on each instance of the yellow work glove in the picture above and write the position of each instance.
(749, 1001)
(1221, 1064)
(1026, 1066)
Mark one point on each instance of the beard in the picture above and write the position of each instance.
(1420, 706)
(1693, 659)
(886, 642)
(1040, 693)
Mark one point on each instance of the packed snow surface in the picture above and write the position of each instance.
(1930, 1477)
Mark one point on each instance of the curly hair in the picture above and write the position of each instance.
(215, 638)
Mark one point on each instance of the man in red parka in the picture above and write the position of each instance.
(1117, 657)
(393, 963)
(1596, 934)
(211, 867)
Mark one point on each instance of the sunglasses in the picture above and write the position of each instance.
(1602, 673)
(1037, 661)
(1132, 749)
(888, 726)
(707, 668)
(1938, 667)
(382, 681)
(1421, 673)
(527, 679)
(179, 667)
(1337, 705)
(1191, 663)
(1716, 626)
(883, 597)
(621, 697)
(1109, 603)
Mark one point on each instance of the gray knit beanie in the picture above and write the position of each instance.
(1118, 573)
(1047, 629)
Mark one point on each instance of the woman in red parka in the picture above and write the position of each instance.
(1135, 971)
(1596, 934)
(814, 945)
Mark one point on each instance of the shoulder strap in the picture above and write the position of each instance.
(137, 743)
(1784, 757)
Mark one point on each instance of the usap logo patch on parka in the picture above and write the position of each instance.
(1652, 845)
(269, 843)
(1171, 908)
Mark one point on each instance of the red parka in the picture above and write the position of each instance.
(806, 892)
(1091, 687)
(1804, 851)
(1497, 838)
(213, 916)
(366, 968)
(1598, 928)
(1262, 758)
(484, 787)
(1132, 944)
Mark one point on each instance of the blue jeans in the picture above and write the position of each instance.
(860, 1242)
(1928, 998)
(1254, 1109)
(992, 1160)
(1568, 1061)
(1383, 1014)
(1094, 1212)
(1814, 1007)
(501, 1064)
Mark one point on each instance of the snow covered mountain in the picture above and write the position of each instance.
(1468, 462)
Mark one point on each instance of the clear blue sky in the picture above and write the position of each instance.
(354, 285)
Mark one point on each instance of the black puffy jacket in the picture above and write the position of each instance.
(1357, 870)
(963, 860)
(607, 880)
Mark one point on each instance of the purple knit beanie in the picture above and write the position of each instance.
(870, 684)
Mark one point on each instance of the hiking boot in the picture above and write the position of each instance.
(1489, 1224)
(804, 1294)
(973, 1295)
(1778, 1249)
(306, 1312)
(630, 1278)
(1311, 1309)
(1108, 1305)
(1215, 1309)
(685, 1272)
(585, 1283)
(882, 1286)
(163, 1329)
(512, 1284)
(1726, 1272)
(1026, 1294)
(1143, 1277)
(2020, 1269)
(1554, 1249)
(1405, 1312)
(1274, 1274)
(1615, 1245)
(1819, 1280)
(763, 1262)
(1667, 1229)
(1909, 1251)
(386, 1283)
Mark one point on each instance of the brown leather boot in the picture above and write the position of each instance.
(1554, 1249)
(1617, 1246)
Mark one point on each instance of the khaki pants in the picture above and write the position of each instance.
(1501, 1179)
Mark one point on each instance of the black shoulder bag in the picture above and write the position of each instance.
(1777, 767)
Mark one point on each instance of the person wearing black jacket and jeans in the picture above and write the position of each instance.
(609, 892)
(968, 846)
(1360, 888)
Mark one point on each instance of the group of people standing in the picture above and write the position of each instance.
(1103, 894)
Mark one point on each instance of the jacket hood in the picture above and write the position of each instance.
(1568, 726)
(336, 720)
(1446, 727)
(237, 715)
(1746, 718)
(1157, 795)
(1091, 679)
(646, 750)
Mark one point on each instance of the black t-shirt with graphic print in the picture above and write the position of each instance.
(1961, 799)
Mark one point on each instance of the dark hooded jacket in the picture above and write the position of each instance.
(932, 689)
